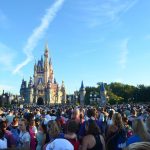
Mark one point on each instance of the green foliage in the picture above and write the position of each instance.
(121, 93)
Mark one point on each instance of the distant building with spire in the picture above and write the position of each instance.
(82, 93)
(43, 88)
(103, 94)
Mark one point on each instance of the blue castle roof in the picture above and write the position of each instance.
(102, 87)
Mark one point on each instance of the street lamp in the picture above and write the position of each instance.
(91, 96)
(76, 98)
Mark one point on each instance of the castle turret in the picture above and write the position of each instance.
(63, 91)
(30, 91)
(103, 94)
(82, 93)
(35, 72)
(48, 93)
(51, 73)
(46, 65)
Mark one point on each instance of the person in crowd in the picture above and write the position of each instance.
(53, 114)
(32, 131)
(148, 124)
(138, 146)
(71, 135)
(41, 136)
(13, 128)
(9, 117)
(93, 139)
(3, 140)
(53, 131)
(92, 115)
(132, 116)
(109, 119)
(24, 136)
(128, 128)
(11, 143)
(140, 132)
(60, 144)
(47, 117)
(76, 115)
(116, 134)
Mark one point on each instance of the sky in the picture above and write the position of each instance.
(90, 40)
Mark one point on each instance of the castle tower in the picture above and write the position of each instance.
(48, 93)
(46, 65)
(30, 91)
(63, 91)
(51, 73)
(35, 73)
(103, 100)
(82, 93)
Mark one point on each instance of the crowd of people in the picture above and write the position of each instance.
(118, 127)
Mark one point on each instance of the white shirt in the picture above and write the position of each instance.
(3, 143)
(60, 144)
(24, 137)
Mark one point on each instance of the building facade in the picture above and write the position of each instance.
(43, 88)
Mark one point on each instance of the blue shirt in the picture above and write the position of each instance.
(133, 139)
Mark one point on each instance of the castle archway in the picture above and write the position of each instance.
(40, 101)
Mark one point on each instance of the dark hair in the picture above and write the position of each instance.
(110, 114)
(93, 128)
(44, 127)
(1, 134)
(72, 126)
(15, 119)
(3, 125)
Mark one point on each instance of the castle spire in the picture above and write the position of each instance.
(82, 86)
(46, 46)
(46, 50)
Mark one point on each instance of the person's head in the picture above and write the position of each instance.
(3, 125)
(32, 122)
(117, 120)
(140, 130)
(15, 121)
(53, 129)
(125, 120)
(94, 112)
(22, 125)
(72, 126)
(76, 113)
(138, 146)
(91, 127)
(148, 124)
(111, 114)
(42, 127)
(133, 112)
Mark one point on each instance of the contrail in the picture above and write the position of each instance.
(38, 33)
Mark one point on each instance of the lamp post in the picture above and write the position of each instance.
(91, 97)
(76, 99)
(3, 99)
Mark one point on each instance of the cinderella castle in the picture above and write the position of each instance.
(43, 88)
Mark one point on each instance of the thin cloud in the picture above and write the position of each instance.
(96, 13)
(124, 53)
(38, 33)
